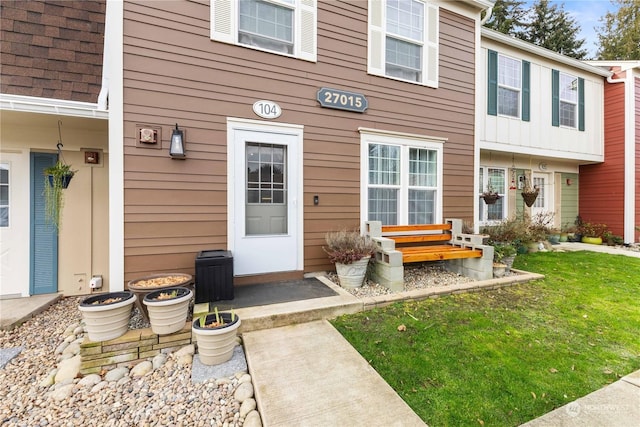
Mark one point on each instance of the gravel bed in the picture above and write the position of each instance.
(416, 276)
(165, 396)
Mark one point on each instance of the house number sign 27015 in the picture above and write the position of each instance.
(342, 100)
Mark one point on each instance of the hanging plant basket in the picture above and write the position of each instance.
(491, 199)
(529, 197)
(64, 179)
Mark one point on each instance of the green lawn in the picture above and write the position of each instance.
(503, 357)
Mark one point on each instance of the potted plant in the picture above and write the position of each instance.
(490, 196)
(168, 309)
(57, 178)
(592, 233)
(156, 282)
(351, 252)
(107, 315)
(504, 253)
(215, 334)
(529, 194)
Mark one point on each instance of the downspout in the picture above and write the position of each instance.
(487, 16)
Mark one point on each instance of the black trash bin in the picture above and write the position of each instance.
(214, 276)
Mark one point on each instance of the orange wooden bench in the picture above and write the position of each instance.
(401, 244)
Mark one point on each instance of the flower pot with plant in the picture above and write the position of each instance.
(351, 252)
(529, 194)
(168, 309)
(107, 315)
(156, 282)
(215, 334)
(504, 253)
(592, 233)
(57, 178)
(490, 195)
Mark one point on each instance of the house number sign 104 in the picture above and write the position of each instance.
(267, 109)
(342, 100)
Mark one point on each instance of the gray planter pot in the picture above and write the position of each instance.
(352, 275)
(107, 321)
(215, 345)
(168, 315)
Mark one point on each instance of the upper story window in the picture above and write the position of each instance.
(4, 195)
(286, 27)
(567, 96)
(568, 100)
(508, 86)
(403, 40)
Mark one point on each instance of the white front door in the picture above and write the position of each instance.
(265, 197)
(544, 201)
(14, 224)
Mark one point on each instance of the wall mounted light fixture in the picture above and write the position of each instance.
(176, 148)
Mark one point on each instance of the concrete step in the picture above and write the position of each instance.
(309, 375)
(277, 315)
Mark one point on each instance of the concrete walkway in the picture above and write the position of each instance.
(16, 311)
(616, 405)
(309, 375)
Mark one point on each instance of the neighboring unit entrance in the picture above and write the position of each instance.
(265, 185)
(44, 237)
(544, 201)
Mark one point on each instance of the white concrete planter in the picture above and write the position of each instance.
(215, 345)
(107, 321)
(168, 315)
(352, 275)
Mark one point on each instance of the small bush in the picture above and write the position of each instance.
(345, 247)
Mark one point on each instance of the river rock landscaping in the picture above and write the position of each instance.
(40, 386)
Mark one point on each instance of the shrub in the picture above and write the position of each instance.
(345, 247)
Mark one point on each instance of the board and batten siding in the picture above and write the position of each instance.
(174, 73)
(605, 181)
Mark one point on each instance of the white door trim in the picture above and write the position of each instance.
(239, 124)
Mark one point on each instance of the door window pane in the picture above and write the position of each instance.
(265, 173)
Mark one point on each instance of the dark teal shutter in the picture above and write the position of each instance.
(492, 84)
(580, 104)
(555, 98)
(526, 84)
(44, 237)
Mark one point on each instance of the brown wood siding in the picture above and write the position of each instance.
(52, 49)
(174, 73)
(605, 181)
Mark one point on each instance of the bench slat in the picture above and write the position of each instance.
(439, 256)
(432, 248)
(415, 227)
(421, 238)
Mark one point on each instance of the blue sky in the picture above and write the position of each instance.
(587, 14)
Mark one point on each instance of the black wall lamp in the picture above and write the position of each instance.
(176, 149)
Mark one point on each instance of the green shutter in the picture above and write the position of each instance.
(492, 85)
(555, 98)
(526, 84)
(580, 104)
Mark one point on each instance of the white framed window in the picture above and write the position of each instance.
(568, 100)
(401, 178)
(403, 40)
(494, 178)
(285, 27)
(509, 86)
(4, 195)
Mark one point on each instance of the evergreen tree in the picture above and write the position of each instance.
(619, 35)
(507, 16)
(551, 27)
